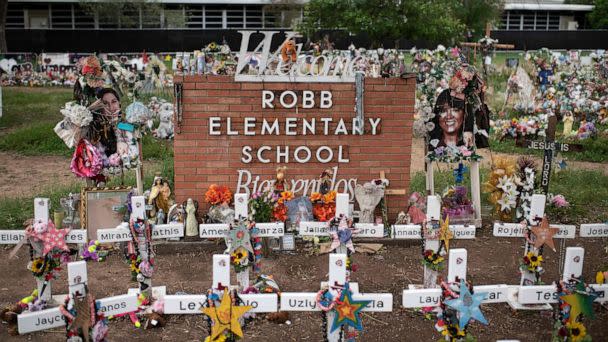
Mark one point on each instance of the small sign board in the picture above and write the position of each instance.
(213, 230)
(299, 301)
(313, 228)
(271, 229)
(118, 304)
(406, 231)
(591, 230)
(184, 304)
(167, 231)
(369, 230)
(264, 302)
(40, 320)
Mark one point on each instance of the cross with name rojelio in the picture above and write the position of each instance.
(77, 283)
(432, 242)
(122, 233)
(19, 238)
(228, 231)
(520, 230)
(549, 146)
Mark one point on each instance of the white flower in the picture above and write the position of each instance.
(506, 203)
(440, 47)
(430, 126)
(77, 114)
(504, 183)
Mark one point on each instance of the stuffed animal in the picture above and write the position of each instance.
(165, 127)
(288, 51)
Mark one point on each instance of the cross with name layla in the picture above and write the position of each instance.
(77, 281)
(338, 277)
(549, 146)
(229, 233)
(42, 229)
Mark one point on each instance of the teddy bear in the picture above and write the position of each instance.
(165, 127)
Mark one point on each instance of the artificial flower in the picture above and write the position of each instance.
(577, 331)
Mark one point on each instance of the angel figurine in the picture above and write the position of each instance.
(160, 197)
(191, 220)
(368, 196)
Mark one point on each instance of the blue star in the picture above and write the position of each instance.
(467, 305)
(348, 311)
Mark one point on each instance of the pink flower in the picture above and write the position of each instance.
(465, 151)
(559, 201)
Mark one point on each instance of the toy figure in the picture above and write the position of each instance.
(280, 184)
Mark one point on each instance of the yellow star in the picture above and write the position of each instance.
(226, 317)
(544, 234)
(445, 234)
(347, 310)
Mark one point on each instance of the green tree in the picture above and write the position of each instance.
(598, 18)
(434, 21)
(126, 13)
(476, 14)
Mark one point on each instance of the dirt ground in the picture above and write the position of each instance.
(188, 269)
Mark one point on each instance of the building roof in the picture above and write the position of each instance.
(547, 6)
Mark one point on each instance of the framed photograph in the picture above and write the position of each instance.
(102, 208)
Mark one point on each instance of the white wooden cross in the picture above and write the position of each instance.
(77, 279)
(192, 304)
(365, 230)
(122, 233)
(573, 269)
(413, 231)
(537, 211)
(306, 301)
(475, 187)
(241, 211)
(417, 297)
(15, 237)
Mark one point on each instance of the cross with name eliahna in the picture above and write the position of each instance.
(20, 237)
(223, 230)
(530, 275)
(431, 240)
(549, 146)
(77, 284)
(123, 233)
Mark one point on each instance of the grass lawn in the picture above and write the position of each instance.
(26, 106)
(587, 192)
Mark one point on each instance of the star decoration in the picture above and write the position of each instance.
(54, 238)
(467, 304)
(580, 302)
(445, 234)
(226, 317)
(544, 234)
(348, 311)
(240, 237)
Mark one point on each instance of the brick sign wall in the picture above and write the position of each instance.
(225, 124)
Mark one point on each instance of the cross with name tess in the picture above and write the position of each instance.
(16, 237)
(528, 278)
(77, 281)
(412, 231)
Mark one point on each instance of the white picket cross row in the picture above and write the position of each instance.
(416, 297)
(306, 301)
(547, 294)
(77, 278)
(192, 304)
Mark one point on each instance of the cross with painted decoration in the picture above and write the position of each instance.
(520, 230)
(223, 230)
(194, 304)
(432, 243)
(77, 280)
(338, 277)
(123, 233)
(573, 270)
(37, 241)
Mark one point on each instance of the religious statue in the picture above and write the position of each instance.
(191, 220)
(159, 198)
(280, 184)
(368, 196)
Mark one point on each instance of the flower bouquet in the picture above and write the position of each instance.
(323, 206)
(456, 205)
(219, 197)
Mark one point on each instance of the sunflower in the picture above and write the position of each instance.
(37, 265)
(134, 266)
(577, 331)
(238, 256)
(534, 259)
(453, 331)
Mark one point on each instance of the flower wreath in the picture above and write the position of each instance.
(87, 161)
(326, 301)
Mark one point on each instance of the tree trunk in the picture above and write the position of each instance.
(3, 10)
